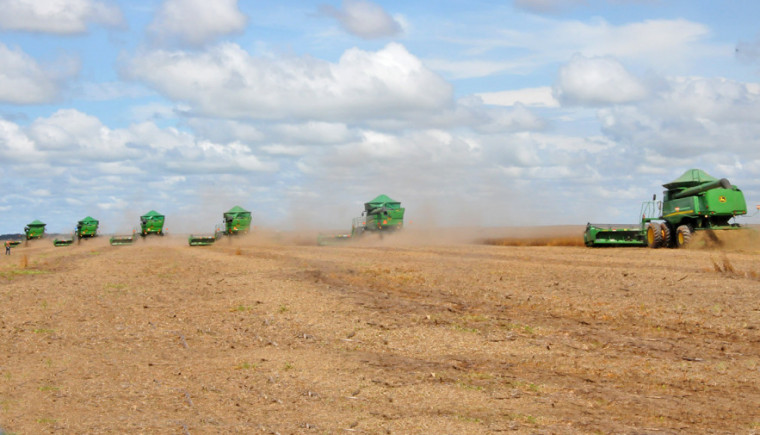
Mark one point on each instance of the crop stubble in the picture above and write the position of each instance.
(260, 336)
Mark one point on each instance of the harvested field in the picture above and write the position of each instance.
(394, 336)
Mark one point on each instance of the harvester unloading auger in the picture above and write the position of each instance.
(380, 215)
(237, 221)
(693, 202)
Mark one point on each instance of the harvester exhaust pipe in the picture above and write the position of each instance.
(724, 183)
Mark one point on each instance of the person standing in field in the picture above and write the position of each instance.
(7, 247)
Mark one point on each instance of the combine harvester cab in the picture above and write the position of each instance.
(34, 230)
(87, 228)
(152, 223)
(693, 202)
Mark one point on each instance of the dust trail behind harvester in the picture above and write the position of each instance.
(742, 240)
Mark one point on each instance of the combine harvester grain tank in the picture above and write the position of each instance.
(692, 203)
(381, 215)
(236, 221)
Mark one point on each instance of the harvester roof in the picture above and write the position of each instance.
(152, 213)
(89, 219)
(690, 178)
(382, 201)
(36, 223)
(235, 210)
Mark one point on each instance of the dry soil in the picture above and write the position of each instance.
(268, 335)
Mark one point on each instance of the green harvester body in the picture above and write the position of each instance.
(381, 215)
(87, 228)
(152, 223)
(34, 230)
(693, 202)
(237, 221)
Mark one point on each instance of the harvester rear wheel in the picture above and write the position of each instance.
(667, 235)
(683, 236)
(654, 235)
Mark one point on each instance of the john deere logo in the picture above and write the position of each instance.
(722, 198)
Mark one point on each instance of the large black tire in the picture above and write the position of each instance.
(654, 235)
(668, 235)
(683, 236)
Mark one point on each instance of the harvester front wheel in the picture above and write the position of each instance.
(683, 236)
(667, 235)
(654, 235)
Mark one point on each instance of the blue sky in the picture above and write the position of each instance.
(480, 113)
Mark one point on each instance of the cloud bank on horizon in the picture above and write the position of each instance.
(534, 112)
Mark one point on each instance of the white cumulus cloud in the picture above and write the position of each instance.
(365, 19)
(693, 117)
(226, 81)
(57, 16)
(196, 22)
(597, 81)
(24, 81)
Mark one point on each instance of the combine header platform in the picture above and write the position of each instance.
(693, 202)
(201, 240)
(63, 241)
(120, 240)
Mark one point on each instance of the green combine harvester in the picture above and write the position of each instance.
(87, 228)
(693, 202)
(381, 215)
(34, 230)
(237, 221)
(152, 223)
